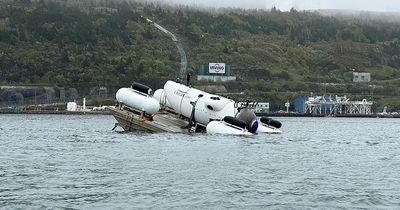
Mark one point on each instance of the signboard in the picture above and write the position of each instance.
(216, 68)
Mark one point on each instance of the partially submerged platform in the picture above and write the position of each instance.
(133, 120)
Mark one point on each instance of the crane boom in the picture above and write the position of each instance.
(182, 73)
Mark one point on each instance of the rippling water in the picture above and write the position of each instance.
(63, 161)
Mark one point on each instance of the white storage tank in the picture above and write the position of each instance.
(72, 106)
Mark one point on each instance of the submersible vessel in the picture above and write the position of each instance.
(181, 108)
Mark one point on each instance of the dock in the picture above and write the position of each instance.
(294, 114)
(133, 120)
(54, 112)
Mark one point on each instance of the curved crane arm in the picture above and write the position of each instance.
(182, 73)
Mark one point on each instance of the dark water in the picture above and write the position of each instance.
(53, 161)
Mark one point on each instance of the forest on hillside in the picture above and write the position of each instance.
(275, 55)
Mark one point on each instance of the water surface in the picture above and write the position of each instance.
(64, 161)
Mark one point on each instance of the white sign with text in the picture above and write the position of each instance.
(216, 68)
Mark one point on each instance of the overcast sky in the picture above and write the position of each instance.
(369, 5)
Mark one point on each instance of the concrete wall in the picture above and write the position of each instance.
(216, 78)
(18, 95)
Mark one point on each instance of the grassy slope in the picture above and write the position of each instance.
(268, 66)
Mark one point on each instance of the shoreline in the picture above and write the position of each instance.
(64, 112)
(53, 112)
(322, 115)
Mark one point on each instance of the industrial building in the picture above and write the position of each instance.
(214, 72)
(321, 105)
(361, 77)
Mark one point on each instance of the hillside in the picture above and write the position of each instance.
(275, 55)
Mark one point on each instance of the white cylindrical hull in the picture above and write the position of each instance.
(220, 127)
(179, 97)
(160, 96)
(137, 100)
(208, 107)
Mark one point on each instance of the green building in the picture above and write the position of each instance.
(214, 72)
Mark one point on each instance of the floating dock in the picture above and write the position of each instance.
(164, 121)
